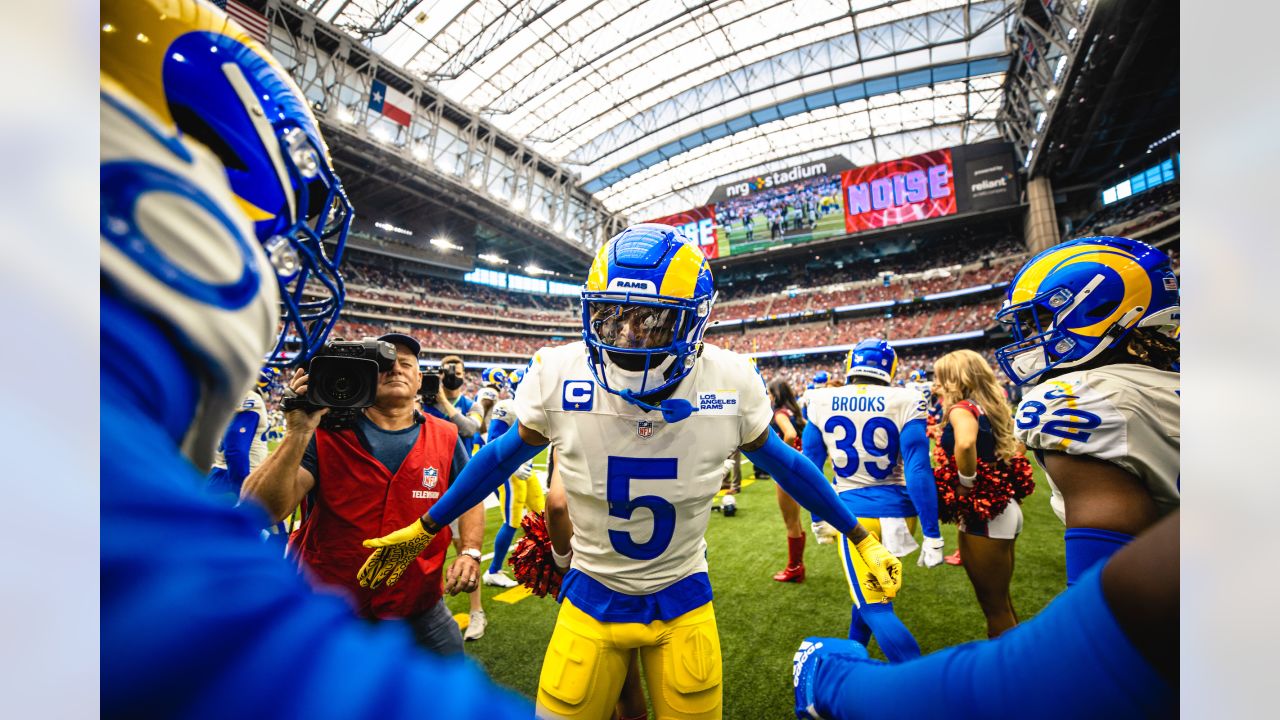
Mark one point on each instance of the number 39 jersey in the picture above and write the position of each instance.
(1125, 414)
(640, 489)
(861, 427)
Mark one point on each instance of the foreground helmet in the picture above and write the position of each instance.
(918, 376)
(1072, 302)
(645, 306)
(873, 358)
(497, 376)
(203, 76)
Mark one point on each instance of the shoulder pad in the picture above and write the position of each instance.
(1067, 415)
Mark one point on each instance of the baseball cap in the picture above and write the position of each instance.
(402, 339)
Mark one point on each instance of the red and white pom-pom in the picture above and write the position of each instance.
(531, 562)
(998, 483)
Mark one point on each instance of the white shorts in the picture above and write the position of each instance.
(1005, 526)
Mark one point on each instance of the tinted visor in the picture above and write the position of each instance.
(633, 327)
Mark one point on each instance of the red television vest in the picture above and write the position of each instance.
(357, 498)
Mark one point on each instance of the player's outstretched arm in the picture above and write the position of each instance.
(1106, 647)
(806, 483)
(490, 467)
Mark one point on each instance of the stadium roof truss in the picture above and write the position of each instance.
(654, 102)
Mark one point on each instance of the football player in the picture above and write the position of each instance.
(243, 447)
(1093, 323)
(919, 381)
(522, 490)
(642, 414)
(217, 194)
(874, 434)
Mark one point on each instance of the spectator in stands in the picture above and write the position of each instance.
(385, 471)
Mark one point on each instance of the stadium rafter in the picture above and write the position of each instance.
(617, 90)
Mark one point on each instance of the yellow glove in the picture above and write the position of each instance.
(886, 570)
(392, 555)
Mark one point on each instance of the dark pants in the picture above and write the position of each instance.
(435, 630)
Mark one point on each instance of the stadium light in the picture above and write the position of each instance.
(344, 114)
(535, 270)
(493, 259)
(444, 244)
(421, 152)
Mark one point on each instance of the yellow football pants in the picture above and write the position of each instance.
(515, 495)
(586, 663)
(856, 571)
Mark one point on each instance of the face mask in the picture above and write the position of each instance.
(451, 381)
(632, 380)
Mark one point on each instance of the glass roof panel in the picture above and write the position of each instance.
(646, 98)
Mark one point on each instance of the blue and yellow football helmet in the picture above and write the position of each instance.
(873, 358)
(269, 375)
(497, 376)
(645, 306)
(513, 380)
(918, 376)
(1073, 301)
(821, 378)
(201, 74)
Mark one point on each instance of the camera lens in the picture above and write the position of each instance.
(340, 389)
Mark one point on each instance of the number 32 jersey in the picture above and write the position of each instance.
(861, 426)
(1125, 414)
(640, 489)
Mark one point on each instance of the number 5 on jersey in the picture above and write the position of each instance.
(621, 471)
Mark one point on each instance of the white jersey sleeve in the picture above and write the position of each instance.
(504, 411)
(1125, 414)
(530, 404)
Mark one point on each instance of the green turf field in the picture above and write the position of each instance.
(733, 241)
(762, 622)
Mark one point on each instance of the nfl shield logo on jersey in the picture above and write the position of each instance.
(429, 478)
(644, 428)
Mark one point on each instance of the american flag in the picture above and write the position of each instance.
(251, 20)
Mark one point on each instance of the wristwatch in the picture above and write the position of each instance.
(472, 553)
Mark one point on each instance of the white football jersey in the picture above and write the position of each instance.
(639, 489)
(1126, 414)
(861, 428)
(924, 388)
(253, 402)
(505, 411)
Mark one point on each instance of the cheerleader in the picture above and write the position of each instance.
(982, 476)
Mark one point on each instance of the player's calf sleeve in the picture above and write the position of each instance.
(1072, 660)
(1087, 547)
(896, 641)
(501, 544)
(858, 628)
(491, 466)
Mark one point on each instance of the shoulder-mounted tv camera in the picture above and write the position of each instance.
(343, 378)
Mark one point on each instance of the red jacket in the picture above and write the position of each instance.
(357, 498)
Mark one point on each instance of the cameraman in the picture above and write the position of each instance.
(388, 469)
(450, 403)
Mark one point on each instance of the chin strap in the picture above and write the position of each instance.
(673, 409)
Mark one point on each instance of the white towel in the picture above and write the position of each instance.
(896, 537)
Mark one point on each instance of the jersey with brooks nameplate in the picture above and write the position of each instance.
(861, 429)
(1125, 414)
(640, 490)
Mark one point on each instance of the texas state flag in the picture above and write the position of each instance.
(393, 105)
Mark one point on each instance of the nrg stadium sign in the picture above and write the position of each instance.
(757, 183)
